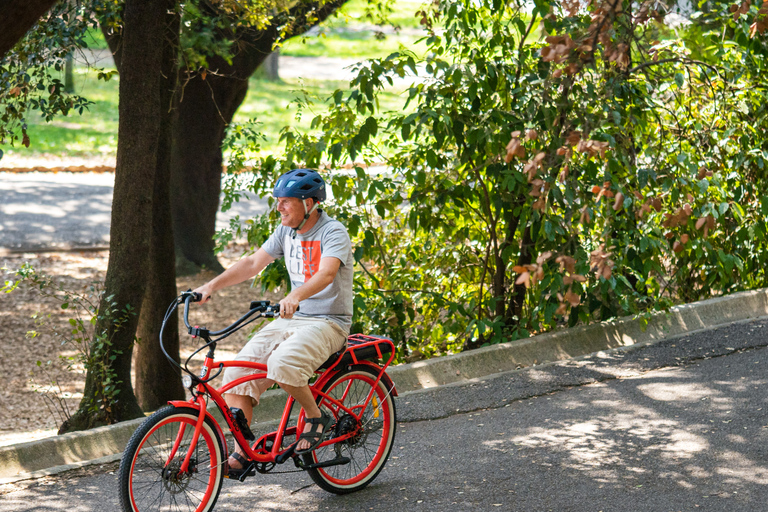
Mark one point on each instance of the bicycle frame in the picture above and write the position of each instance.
(178, 457)
(363, 345)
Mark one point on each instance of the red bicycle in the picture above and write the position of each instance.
(176, 459)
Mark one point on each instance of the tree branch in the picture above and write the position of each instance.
(674, 59)
(17, 17)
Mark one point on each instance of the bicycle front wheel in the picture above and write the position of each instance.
(374, 433)
(150, 478)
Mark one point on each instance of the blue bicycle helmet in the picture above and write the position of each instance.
(301, 183)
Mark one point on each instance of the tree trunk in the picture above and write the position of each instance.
(271, 66)
(205, 111)
(69, 79)
(141, 113)
(526, 258)
(513, 301)
(17, 17)
(157, 381)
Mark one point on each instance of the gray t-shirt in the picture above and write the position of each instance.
(328, 237)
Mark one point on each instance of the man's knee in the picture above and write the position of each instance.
(249, 389)
(238, 400)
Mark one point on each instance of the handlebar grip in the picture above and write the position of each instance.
(276, 308)
(196, 297)
(273, 311)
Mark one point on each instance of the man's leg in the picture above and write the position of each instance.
(303, 395)
(246, 404)
(310, 343)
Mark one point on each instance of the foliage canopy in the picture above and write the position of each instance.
(553, 164)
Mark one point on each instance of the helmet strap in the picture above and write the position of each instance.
(307, 213)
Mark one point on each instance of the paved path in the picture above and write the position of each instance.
(46, 210)
(678, 426)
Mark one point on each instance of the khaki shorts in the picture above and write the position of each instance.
(292, 350)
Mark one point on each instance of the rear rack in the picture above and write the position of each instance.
(362, 347)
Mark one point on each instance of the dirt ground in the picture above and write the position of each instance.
(28, 407)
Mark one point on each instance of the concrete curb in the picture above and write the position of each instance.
(104, 444)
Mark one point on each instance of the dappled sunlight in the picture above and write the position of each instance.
(584, 442)
(605, 441)
(672, 425)
(75, 212)
(740, 386)
(539, 375)
(683, 392)
(681, 445)
(736, 468)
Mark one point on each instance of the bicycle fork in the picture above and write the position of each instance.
(184, 468)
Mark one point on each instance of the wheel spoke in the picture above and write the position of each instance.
(149, 481)
(368, 434)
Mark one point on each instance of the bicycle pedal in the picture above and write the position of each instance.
(241, 475)
(287, 454)
(242, 424)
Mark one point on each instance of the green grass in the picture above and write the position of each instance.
(92, 133)
(351, 45)
(403, 14)
(95, 39)
(273, 105)
(95, 132)
(351, 34)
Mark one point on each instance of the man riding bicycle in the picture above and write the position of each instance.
(318, 256)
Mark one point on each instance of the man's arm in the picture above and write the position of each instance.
(324, 276)
(246, 268)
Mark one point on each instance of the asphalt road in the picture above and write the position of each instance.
(677, 426)
(62, 210)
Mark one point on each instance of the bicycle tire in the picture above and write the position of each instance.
(370, 449)
(148, 482)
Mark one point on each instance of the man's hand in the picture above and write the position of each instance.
(288, 307)
(323, 277)
(205, 292)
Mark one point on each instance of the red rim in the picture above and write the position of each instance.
(209, 441)
(373, 465)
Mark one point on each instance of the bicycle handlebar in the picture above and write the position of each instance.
(261, 306)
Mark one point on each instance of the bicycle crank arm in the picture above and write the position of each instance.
(338, 461)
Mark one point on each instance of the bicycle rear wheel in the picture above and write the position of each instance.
(150, 480)
(369, 448)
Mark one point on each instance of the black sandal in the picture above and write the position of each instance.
(246, 470)
(313, 436)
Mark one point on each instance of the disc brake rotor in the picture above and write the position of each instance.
(348, 425)
(173, 480)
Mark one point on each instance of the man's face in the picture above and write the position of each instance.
(291, 211)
